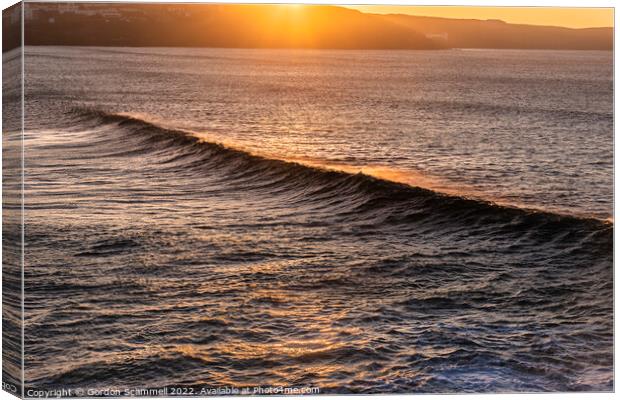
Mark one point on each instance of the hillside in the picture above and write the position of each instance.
(199, 25)
(280, 26)
(496, 34)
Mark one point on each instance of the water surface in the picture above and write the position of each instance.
(196, 217)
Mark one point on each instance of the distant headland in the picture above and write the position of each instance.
(279, 26)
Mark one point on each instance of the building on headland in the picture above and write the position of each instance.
(442, 36)
(40, 10)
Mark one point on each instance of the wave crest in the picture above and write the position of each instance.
(352, 196)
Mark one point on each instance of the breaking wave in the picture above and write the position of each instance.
(352, 196)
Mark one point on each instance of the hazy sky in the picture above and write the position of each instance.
(556, 16)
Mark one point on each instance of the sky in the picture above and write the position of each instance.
(555, 16)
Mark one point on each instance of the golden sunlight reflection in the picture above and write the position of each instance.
(316, 337)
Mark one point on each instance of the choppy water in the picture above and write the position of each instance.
(473, 255)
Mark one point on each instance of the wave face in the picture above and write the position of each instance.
(368, 194)
(164, 259)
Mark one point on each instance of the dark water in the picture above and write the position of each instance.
(11, 220)
(161, 258)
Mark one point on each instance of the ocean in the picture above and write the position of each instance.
(356, 221)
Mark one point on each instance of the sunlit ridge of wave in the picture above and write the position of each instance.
(379, 175)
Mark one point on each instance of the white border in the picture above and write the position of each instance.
(489, 3)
